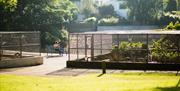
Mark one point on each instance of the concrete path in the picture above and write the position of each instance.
(50, 64)
(56, 66)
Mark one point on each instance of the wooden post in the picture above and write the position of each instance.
(118, 39)
(1, 50)
(86, 47)
(147, 49)
(101, 44)
(103, 65)
(178, 48)
(69, 47)
(92, 47)
(39, 43)
(20, 45)
(77, 48)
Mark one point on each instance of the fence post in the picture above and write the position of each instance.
(103, 65)
(1, 50)
(39, 33)
(101, 43)
(69, 47)
(85, 40)
(77, 46)
(147, 42)
(92, 47)
(178, 48)
(20, 45)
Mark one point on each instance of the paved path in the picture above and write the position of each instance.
(50, 64)
(56, 66)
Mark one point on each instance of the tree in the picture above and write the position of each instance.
(8, 5)
(144, 11)
(171, 5)
(88, 8)
(178, 5)
(106, 10)
(38, 15)
(7, 8)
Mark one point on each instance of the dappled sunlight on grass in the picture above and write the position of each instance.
(91, 82)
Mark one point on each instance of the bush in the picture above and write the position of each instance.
(161, 53)
(124, 51)
(162, 48)
(106, 10)
(90, 20)
(172, 26)
(49, 37)
(108, 21)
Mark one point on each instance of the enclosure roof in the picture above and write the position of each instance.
(132, 32)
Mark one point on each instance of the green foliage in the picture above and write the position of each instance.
(106, 10)
(42, 13)
(173, 14)
(144, 11)
(172, 26)
(165, 49)
(47, 16)
(108, 21)
(49, 37)
(128, 49)
(122, 6)
(8, 5)
(90, 20)
(88, 8)
(171, 5)
(129, 46)
(161, 49)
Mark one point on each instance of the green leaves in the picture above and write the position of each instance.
(144, 11)
(8, 5)
(165, 49)
(129, 46)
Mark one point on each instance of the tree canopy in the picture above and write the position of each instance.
(106, 10)
(36, 15)
(87, 8)
(144, 11)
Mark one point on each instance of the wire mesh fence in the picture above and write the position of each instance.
(19, 44)
(155, 47)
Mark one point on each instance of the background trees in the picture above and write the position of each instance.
(88, 8)
(170, 5)
(106, 10)
(47, 16)
(144, 11)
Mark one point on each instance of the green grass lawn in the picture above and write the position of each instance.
(91, 82)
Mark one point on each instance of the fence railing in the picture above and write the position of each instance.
(19, 44)
(125, 47)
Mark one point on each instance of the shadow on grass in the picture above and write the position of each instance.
(100, 75)
(69, 72)
(176, 88)
(167, 89)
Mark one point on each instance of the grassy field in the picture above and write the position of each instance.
(91, 82)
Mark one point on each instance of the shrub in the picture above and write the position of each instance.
(172, 26)
(108, 21)
(90, 20)
(162, 49)
(106, 10)
(125, 50)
